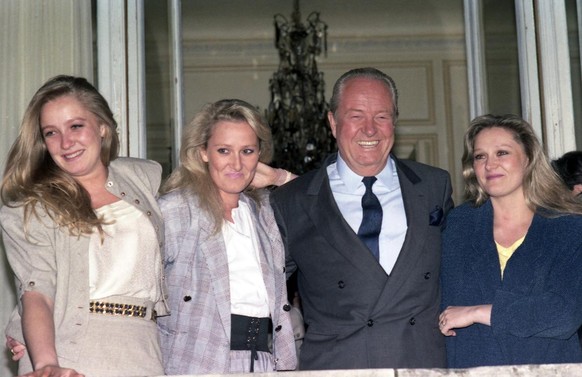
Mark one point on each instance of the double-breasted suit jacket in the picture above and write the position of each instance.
(195, 338)
(356, 315)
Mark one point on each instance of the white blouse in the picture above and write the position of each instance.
(127, 262)
(248, 294)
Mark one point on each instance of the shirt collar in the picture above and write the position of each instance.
(353, 181)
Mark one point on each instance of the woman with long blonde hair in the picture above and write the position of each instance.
(82, 233)
(224, 258)
(512, 255)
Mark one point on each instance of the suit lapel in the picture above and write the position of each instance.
(214, 251)
(520, 269)
(265, 251)
(415, 207)
(526, 258)
(321, 207)
(485, 263)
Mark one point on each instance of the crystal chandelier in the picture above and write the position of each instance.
(298, 110)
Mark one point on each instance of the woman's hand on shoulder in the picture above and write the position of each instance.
(53, 371)
(266, 175)
(457, 317)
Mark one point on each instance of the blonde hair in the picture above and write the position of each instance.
(193, 174)
(542, 187)
(31, 177)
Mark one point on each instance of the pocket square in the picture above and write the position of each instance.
(435, 218)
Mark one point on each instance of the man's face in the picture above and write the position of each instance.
(364, 126)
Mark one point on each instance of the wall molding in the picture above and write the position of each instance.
(261, 53)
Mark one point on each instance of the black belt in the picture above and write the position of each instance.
(249, 334)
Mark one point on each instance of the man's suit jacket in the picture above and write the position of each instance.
(356, 315)
(195, 338)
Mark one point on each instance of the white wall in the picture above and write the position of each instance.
(229, 52)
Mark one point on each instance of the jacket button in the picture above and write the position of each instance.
(122, 194)
(136, 201)
(286, 307)
(109, 184)
(187, 298)
(412, 321)
(427, 275)
(31, 284)
(149, 213)
(278, 328)
(370, 323)
(341, 284)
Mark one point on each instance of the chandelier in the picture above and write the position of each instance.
(298, 110)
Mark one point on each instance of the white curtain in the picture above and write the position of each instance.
(38, 40)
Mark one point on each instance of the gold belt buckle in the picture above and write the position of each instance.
(129, 310)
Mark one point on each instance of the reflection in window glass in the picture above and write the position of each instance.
(158, 97)
(501, 57)
(575, 67)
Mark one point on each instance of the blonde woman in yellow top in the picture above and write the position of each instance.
(511, 265)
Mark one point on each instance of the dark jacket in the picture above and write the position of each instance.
(357, 316)
(537, 306)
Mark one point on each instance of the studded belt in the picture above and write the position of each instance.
(129, 310)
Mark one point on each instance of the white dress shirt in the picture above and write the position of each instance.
(248, 294)
(347, 188)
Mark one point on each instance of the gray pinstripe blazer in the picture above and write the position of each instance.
(195, 338)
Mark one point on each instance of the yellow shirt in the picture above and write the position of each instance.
(506, 252)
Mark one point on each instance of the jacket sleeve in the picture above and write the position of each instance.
(32, 259)
(149, 172)
(32, 255)
(290, 265)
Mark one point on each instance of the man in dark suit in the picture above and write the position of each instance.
(369, 301)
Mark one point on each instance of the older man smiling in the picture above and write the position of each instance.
(363, 232)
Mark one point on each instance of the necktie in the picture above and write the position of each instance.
(372, 218)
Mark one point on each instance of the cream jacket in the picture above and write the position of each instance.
(50, 261)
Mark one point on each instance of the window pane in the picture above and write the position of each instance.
(157, 62)
(575, 42)
(501, 57)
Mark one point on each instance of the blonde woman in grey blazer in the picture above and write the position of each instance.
(224, 259)
(82, 233)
